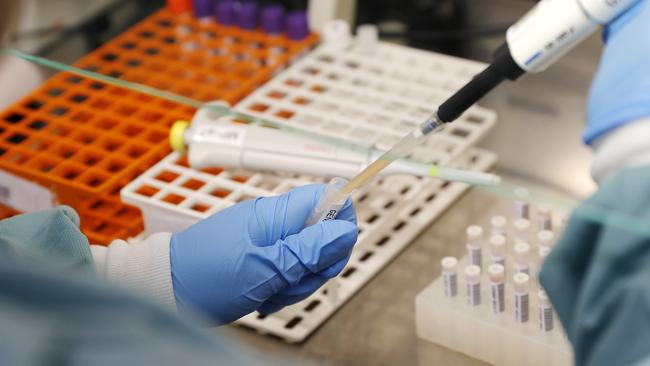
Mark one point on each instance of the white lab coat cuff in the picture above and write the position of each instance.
(143, 266)
(628, 145)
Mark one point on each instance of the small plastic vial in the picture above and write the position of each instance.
(496, 273)
(473, 285)
(367, 38)
(545, 238)
(498, 250)
(521, 282)
(450, 276)
(522, 258)
(543, 252)
(499, 225)
(545, 218)
(545, 312)
(474, 247)
(522, 210)
(522, 230)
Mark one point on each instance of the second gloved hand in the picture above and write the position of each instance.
(257, 255)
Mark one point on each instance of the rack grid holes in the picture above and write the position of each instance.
(166, 176)
(200, 207)
(293, 322)
(383, 240)
(147, 190)
(220, 192)
(312, 305)
(366, 256)
(173, 198)
(348, 272)
(285, 114)
(193, 184)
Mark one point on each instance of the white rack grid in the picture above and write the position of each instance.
(370, 99)
(479, 333)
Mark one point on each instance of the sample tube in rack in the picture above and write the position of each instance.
(521, 284)
(521, 230)
(473, 285)
(499, 225)
(522, 258)
(474, 245)
(496, 274)
(522, 210)
(498, 250)
(545, 218)
(450, 276)
(545, 238)
(545, 311)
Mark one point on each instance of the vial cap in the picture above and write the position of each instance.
(498, 222)
(498, 241)
(367, 37)
(545, 237)
(522, 249)
(496, 272)
(337, 34)
(224, 10)
(521, 282)
(202, 8)
(273, 18)
(543, 297)
(521, 224)
(247, 15)
(177, 135)
(297, 25)
(449, 263)
(474, 232)
(473, 273)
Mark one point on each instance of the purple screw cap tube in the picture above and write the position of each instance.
(247, 15)
(224, 10)
(297, 25)
(202, 8)
(273, 19)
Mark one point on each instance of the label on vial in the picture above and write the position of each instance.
(499, 260)
(545, 318)
(498, 297)
(23, 195)
(474, 294)
(522, 268)
(475, 255)
(521, 307)
(450, 281)
(224, 135)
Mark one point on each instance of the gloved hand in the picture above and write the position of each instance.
(257, 255)
(598, 275)
(620, 92)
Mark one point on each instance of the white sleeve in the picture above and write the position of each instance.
(142, 266)
(628, 145)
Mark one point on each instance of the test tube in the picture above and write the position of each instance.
(545, 312)
(330, 202)
(522, 230)
(545, 218)
(498, 250)
(499, 225)
(496, 273)
(474, 247)
(473, 285)
(450, 276)
(521, 287)
(522, 258)
(522, 210)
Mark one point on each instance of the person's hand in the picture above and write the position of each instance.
(620, 92)
(598, 275)
(258, 255)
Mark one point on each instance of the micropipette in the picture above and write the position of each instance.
(546, 33)
(214, 141)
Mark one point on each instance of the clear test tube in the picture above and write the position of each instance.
(522, 230)
(499, 225)
(330, 202)
(545, 311)
(522, 258)
(497, 274)
(450, 276)
(498, 250)
(545, 218)
(521, 284)
(473, 285)
(474, 245)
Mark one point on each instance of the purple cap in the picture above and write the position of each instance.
(297, 25)
(273, 19)
(247, 15)
(224, 10)
(202, 8)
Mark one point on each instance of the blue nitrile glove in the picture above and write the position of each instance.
(258, 255)
(620, 92)
(598, 275)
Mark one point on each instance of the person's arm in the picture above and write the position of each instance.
(143, 266)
